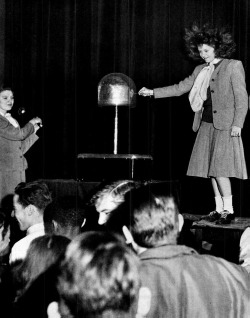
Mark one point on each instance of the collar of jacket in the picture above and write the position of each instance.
(167, 251)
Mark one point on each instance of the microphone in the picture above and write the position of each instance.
(21, 111)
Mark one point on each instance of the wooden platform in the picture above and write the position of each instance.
(239, 223)
(224, 239)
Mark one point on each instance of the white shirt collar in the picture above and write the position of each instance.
(1, 113)
(35, 228)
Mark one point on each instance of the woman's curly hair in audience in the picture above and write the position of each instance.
(219, 38)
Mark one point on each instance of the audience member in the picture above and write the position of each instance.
(43, 252)
(245, 249)
(64, 216)
(182, 282)
(5, 277)
(110, 196)
(99, 278)
(36, 276)
(4, 238)
(30, 200)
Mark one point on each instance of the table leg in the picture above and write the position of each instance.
(198, 238)
(132, 169)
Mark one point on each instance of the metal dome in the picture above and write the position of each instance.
(116, 89)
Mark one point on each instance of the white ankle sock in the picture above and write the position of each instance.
(228, 203)
(218, 204)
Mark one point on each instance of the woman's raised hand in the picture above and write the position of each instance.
(36, 121)
(146, 92)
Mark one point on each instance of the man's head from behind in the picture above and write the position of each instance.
(30, 200)
(99, 275)
(64, 216)
(154, 217)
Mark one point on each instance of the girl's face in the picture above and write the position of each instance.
(6, 101)
(206, 53)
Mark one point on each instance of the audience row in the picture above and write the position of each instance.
(117, 254)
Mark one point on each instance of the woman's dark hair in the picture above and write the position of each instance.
(43, 252)
(5, 223)
(219, 38)
(5, 88)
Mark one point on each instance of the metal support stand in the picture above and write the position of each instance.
(116, 130)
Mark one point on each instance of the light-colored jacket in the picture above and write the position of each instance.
(184, 284)
(228, 93)
(14, 142)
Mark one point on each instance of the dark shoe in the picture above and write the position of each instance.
(211, 217)
(225, 218)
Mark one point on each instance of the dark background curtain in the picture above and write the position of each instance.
(54, 53)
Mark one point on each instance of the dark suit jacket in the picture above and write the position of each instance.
(228, 92)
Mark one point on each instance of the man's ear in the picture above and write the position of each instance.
(181, 221)
(128, 235)
(130, 240)
(53, 310)
(30, 209)
(55, 226)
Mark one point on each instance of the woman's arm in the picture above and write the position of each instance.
(10, 132)
(173, 90)
(240, 94)
(28, 142)
(176, 89)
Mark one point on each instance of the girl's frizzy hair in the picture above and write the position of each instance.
(219, 38)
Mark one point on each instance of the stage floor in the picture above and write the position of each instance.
(209, 238)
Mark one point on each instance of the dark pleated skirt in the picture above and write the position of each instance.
(217, 154)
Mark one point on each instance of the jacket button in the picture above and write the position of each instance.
(212, 91)
(212, 79)
(215, 111)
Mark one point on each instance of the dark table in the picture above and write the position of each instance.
(131, 157)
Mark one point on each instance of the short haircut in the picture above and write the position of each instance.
(218, 38)
(153, 217)
(36, 193)
(67, 211)
(99, 274)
